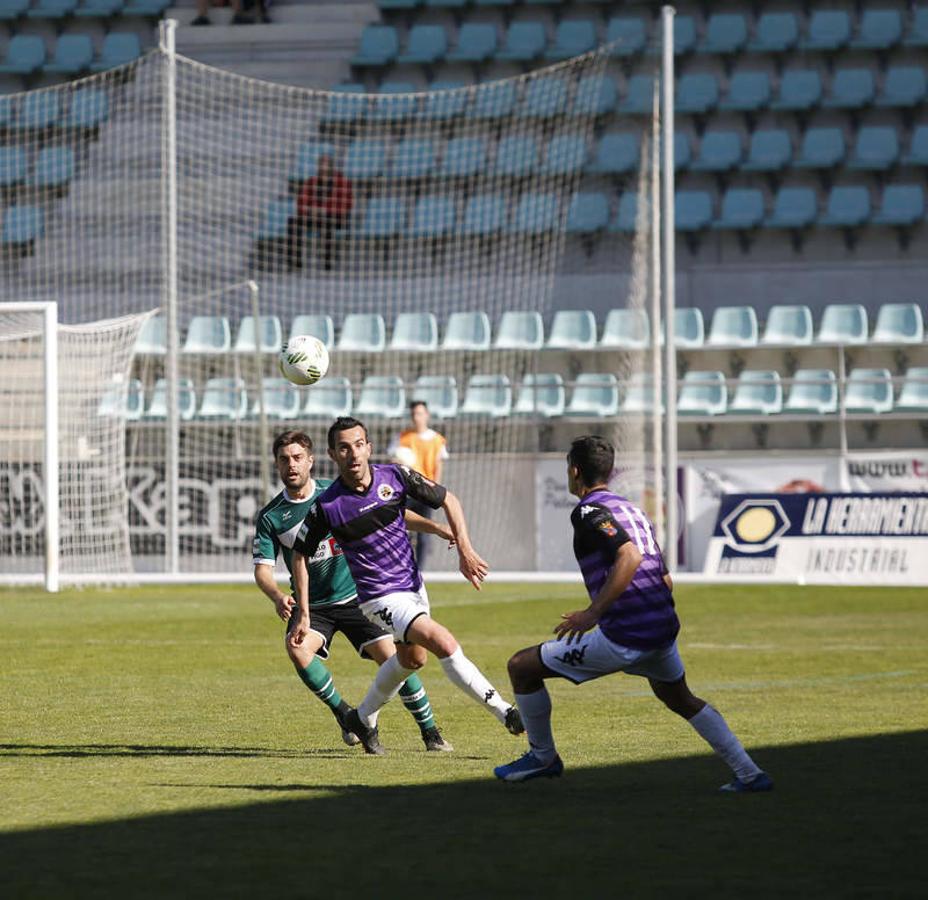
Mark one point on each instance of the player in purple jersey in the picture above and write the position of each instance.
(631, 602)
(363, 510)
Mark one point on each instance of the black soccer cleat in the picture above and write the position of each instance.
(513, 721)
(434, 742)
(369, 737)
(340, 714)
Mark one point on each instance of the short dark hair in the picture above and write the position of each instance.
(593, 457)
(345, 423)
(292, 437)
(414, 403)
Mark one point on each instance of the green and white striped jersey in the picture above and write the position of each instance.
(330, 581)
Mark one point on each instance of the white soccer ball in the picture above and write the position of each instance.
(405, 456)
(303, 359)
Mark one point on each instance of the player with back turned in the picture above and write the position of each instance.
(630, 626)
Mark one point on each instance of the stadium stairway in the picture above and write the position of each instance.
(308, 42)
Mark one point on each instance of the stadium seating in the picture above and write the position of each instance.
(345, 105)
(281, 400)
(381, 397)
(899, 323)
(800, 90)
(271, 335)
(757, 393)
(616, 154)
(588, 214)
(565, 155)
(52, 9)
(639, 96)
(380, 45)
(487, 395)
(13, 167)
(413, 158)
(484, 215)
(843, 324)
(851, 89)
(157, 408)
(22, 226)
(463, 157)
(827, 30)
(847, 207)
(902, 205)
(775, 32)
(208, 335)
(879, 29)
(545, 97)
(363, 332)
(98, 9)
(918, 30)
(639, 394)
(445, 102)
(733, 326)
(38, 111)
(626, 214)
(770, 151)
(692, 210)
(73, 55)
(25, 54)
(748, 91)
(88, 111)
(536, 214)
(399, 104)
(433, 217)
(224, 399)
(726, 33)
(742, 209)
(596, 95)
(876, 148)
(627, 34)
(328, 399)
(913, 395)
(439, 392)
(702, 394)
(788, 325)
(813, 392)
(918, 147)
(697, 93)
(318, 325)
(626, 329)
(689, 327)
(541, 395)
(116, 404)
(496, 102)
(822, 148)
(118, 49)
(476, 43)
(520, 331)
(13, 9)
(425, 44)
(54, 169)
(525, 41)
(594, 395)
(572, 329)
(467, 331)
(307, 158)
(572, 38)
(384, 218)
(869, 391)
(719, 151)
(903, 86)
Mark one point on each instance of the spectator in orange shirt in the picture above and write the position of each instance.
(425, 450)
(324, 204)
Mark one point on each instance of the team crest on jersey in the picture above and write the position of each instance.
(385, 492)
(607, 527)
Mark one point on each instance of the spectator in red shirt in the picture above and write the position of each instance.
(324, 205)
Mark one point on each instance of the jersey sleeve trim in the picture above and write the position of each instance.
(421, 488)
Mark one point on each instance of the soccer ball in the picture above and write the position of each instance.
(405, 456)
(303, 359)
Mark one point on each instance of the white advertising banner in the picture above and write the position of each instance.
(904, 471)
(553, 504)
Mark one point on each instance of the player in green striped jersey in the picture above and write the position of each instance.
(333, 598)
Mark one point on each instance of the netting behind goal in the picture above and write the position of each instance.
(436, 280)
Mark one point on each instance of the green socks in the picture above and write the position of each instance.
(416, 700)
(319, 680)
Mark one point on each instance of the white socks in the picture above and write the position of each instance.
(464, 674)
(535, 710)
(713, 729)
(387, 682)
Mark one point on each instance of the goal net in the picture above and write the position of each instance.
(470, 247)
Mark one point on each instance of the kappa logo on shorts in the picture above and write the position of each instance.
(385, 616)
(573, 657)
(385, 492)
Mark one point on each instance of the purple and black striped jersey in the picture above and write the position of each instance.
(643, 617)
(370, 528)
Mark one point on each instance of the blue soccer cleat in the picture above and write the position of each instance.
(758, 784)
(529, 766)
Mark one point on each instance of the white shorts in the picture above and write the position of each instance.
(594, 655)
(396, 612)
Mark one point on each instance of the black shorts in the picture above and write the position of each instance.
(327, 621)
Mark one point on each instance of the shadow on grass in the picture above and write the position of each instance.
(846, 820)
(90, 750)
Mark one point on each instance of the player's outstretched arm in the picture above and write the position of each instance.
(472, 567)
(264, 578)
(415, 522)
(301, 584)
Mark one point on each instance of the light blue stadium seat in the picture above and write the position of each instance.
(814, 392)
(626, 214)
(572, 329)
(99, 9)
(848, 206)
(638, 395)
(596, 96)
(425, 44)
(463, 157)
(307, 159)
(208, 335)
(851, 89)
(545, 98)
(363, 332)
(776, 32)
(484, 215)
(692, 210)
(572, 37)
(52, 9)
(395, 102)
(703, 394)
(616, 154)
(800, 90)
(328, 399)
(146, 7)
(757, 393)
(54, 168)
(439, 393)
(536, 214)
(365, 158)
(446, 4)
(913, 395)
(594, 395)
(697, 93)
(876, 148)
(444, 102)
(13, 9)
(733, 326)
(276, 216)
(476, 43)
(433, 217)
(224, 399)
(684, 34)
(844, 323)
(588, 213)
(25, 54)
(903, 86)
(89, 109)
(12, 166)
(564, 155)
(918, 148)
(119, 48)
(487, 395)
(902, 205)
(415, 331)
(822, 148)
(682, 152)
(495, 100)
(152, 338)
(791, 325)
(346, 104)
(119, 404)
(22, 226)
(39, 110)
(719, 151)
(869, 392)
(879, 29)
(413, 158)
(516, 156)
(157, 408)
(689, 327)
(467, 331)
(748, 91)
(829, 29)
(494, 3)
(899, 323)
(281, 398)
(381, 397)
(319, 325)
(725, 33)
(525, 41)
(271, 335)
(541, 395)
(639, 96)
(742, 209)
(520, 330)
(627, 34)
(379, 45)
(73, 55)
(770, 151)
(626, 328)
(917, 35)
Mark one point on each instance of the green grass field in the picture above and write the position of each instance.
(155, 741)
